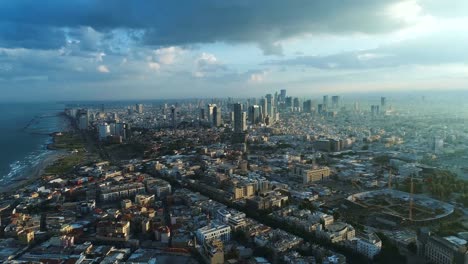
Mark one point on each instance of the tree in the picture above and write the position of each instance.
(336, 215)
(412, 247)
(264, 252)
(232, 254)
(241, 236)
(389, 253)
(382, 160)
(307, 205)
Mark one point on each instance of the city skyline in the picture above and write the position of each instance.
(217, 131)
(103, 51)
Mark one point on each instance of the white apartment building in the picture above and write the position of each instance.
(214, 230)
(369, 245)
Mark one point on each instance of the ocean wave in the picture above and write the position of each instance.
(41, 124)
(20, 168)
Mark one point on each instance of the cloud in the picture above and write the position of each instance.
(154, 66)
(168, 55)
(87, 38)
(207, 63)
(456, 8)
(30, 36)
(168, 23)
(433, 49)
(71, 43)
(269, 48)
(100, 56)
(257, 76)
(103, 69)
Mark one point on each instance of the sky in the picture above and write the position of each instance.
(141, 49)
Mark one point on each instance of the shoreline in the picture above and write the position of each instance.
(34, 173)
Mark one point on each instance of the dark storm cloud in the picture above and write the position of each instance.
(30, 36)
(190, 22)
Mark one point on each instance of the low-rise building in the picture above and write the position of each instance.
(309, 173)
(234, 218)
(442, 250)
(117, 192)
(369, 245)
(116, 231)
(214, 230)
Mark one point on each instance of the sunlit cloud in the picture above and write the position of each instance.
(103, 69)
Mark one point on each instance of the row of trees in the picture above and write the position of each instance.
(442, 184)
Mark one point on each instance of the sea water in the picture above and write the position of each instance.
(25, 130)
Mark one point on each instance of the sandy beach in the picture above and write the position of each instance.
(34, 173)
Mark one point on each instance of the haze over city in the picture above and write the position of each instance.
(113, 50)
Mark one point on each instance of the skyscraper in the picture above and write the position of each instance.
(83, 119)
(289, 102)
(209, 112)
(320, 109)
(104, 131)
(375, 110)
(121, 130)
(325, 101)
(239, 118)
(139, 108)
(307, 106)
(174, 116)
(202, 114)
(217, 118)
(383, 102)
(270, 107)
(335, 101)
(263, 106)
(296, 104)
(254, 114)
(282, 95)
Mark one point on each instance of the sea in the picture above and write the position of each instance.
(25, 130)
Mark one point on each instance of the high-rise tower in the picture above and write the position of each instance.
(239, 119)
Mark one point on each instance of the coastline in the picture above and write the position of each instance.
(35, 173)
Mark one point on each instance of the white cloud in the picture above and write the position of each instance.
(370, 56)
(100, 56)
(207, 58)
(408, 11)
(103, 69)
(207, 63)
(154, 66)
(412, 13)
(258, 77)
(198, 74)
(168, 55)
